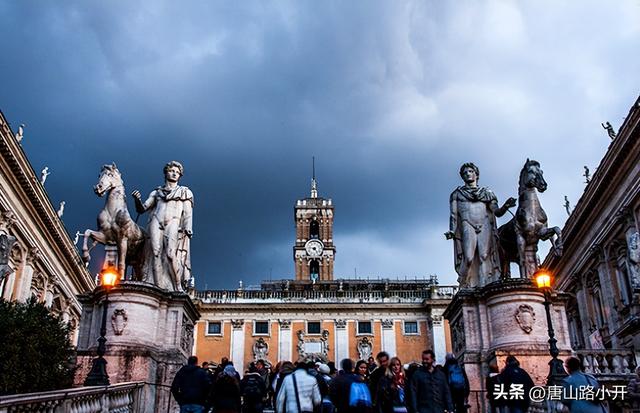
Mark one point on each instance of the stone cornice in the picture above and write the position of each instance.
(614, 167)
(24, 178)
(513, 285)
(142, 288)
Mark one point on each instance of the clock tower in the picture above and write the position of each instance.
(314, 252)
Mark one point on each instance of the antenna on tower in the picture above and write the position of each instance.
(314, 185)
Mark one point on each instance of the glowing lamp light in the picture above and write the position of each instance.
(543, 279)
(109, 277)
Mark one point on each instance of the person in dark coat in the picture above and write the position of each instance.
(190, 387)
(340, 387)
(253, 390)
(391, 389)
(376, 375)
(493, 380)
(514, 374)
(227, 391)
(413, 367)
(458, 383)
(429, 389)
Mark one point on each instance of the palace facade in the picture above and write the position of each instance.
(600, 265)
(37, 257)
(316, 316)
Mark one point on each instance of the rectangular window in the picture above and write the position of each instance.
(261, 327)
(364, 327)
(411, 327)
(313, 327)
(214, 328)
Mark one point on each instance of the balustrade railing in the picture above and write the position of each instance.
(118, 398)
(228, 296)
(607, 362)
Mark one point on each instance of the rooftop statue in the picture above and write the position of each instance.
(519, 237)
(473, 229)
(170, 229)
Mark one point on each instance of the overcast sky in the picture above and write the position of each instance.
(390, 97)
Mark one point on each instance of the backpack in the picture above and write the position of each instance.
(359, 395)
(252, 389)
(456, 377)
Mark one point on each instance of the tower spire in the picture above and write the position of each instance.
(314, 184)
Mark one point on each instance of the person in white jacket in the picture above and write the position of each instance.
(308, 393)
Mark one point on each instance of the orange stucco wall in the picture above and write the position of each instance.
(409, 348)
(250, 339)
(213, 348)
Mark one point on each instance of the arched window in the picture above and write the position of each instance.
(314, 229)
(314, 269)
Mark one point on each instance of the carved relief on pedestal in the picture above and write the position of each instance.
(365, 348)
(260, 349)
(457, 336)
(186, 338)
(119, 321)
(237, 324)
(525, 317)
(387, 323)
(341, 323)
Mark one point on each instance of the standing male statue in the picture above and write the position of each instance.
(473, 228)
(169, 229)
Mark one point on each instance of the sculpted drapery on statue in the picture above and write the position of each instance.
(473, 229)
(169, 230)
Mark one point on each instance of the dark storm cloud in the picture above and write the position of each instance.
(389, 96)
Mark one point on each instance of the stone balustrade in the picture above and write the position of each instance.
(607, 362)
(400, 296)
(118, 398)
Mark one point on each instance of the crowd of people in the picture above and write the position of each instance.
(385, 386)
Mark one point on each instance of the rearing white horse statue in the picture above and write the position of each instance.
(520, 236)
(115, 224)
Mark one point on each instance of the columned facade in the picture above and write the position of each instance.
(37, 257)
(320, 324)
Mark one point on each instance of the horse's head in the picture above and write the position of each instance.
(531, 176)
(109, 178)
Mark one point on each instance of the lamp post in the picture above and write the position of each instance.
(98, 375)
(556, 369)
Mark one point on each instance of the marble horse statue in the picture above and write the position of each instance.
(115, 224)
(519, 237)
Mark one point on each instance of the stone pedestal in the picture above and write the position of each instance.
(501, 319)
(149, 337)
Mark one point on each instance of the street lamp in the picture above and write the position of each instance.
(556, 369)
(98, 375)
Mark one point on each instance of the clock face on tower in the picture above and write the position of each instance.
(314, 247)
